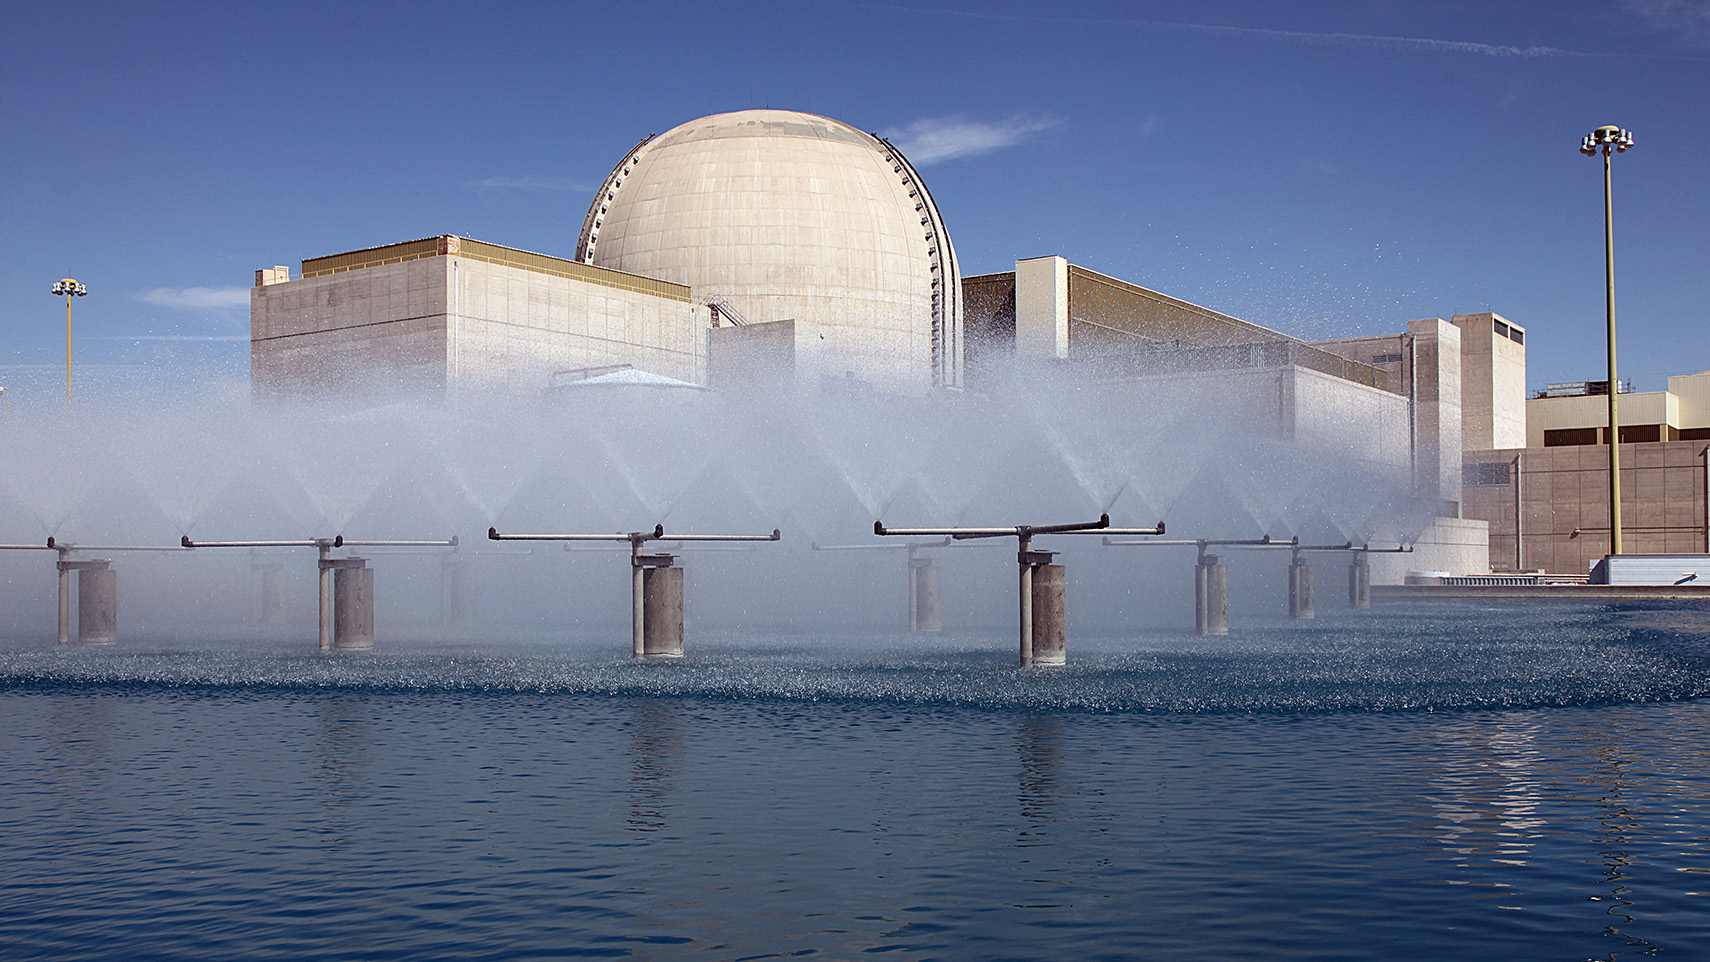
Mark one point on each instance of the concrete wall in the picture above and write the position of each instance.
(512, 328)
(1460, 546)
(1436, 380)
(1368, 423)
(440, 323)
(1042, 307)
(1563, 503)
(382, 327)
(1493, 381)
(752, 356)
(1693, 390)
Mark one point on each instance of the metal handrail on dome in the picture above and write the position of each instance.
(721, 308)
(589, 236)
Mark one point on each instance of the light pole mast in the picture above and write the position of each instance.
(70, 288)
(1612, 140)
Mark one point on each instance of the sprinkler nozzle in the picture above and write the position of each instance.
(338, 541)
(50, 541)
(492, 534)
(183, 542)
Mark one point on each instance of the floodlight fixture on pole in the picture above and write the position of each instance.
(71, 288)
(1610, 139)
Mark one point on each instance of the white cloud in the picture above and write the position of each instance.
(197, 298)
(933, 139)
(1316, 37)
(530, 183)
(1689, 20)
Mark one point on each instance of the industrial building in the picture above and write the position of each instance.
(776, 246)
(1546, 499)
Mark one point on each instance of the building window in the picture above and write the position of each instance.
(1386, 358)
(1568, 437)
(1517, 335)
(1486, 473)
(1634, 433)
(1502, 329)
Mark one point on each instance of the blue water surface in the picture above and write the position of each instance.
(1424, 781)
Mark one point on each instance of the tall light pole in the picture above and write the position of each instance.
(70, 288)
(1612, 140)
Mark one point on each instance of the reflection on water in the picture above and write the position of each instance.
(534, 803)
(1486, 801)
(81, 743)
(343, 739)
(1039, 744)
(656, 760)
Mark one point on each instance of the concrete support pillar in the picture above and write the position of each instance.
(1359, 583)
(1300, 599)
(97, 604)
(1050, 622)
(325, 596)
(456, 605)
(662, 612)
(353, 605)
(267, 594)
(1211, 596)
(64, 602)
(925, 596)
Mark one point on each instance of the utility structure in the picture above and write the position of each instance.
(925, 587)
(346, 585)
(1042, 622)
(456, 595)
(70, 287)
(1610, 139)
(97, 588)
(656, 584)
(1211, 576)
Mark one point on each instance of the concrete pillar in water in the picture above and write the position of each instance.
(325, 594)
(1359, 583)
(1050, 621)
(456, 606)
(353, 604)
(64, 601)
(1300, 599)
(662, 612)
(267, 594)
(925, 596)
(1211, 596)
(97, 603)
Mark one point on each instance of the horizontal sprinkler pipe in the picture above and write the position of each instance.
(776, 535)
(1202, 542)
(634, 536)
(448, 543)
(337, 542)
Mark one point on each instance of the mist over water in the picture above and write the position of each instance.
(1447, 780)
(610, 458)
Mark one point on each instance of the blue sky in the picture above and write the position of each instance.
(1324, 168)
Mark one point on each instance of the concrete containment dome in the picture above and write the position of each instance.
(774, 215)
